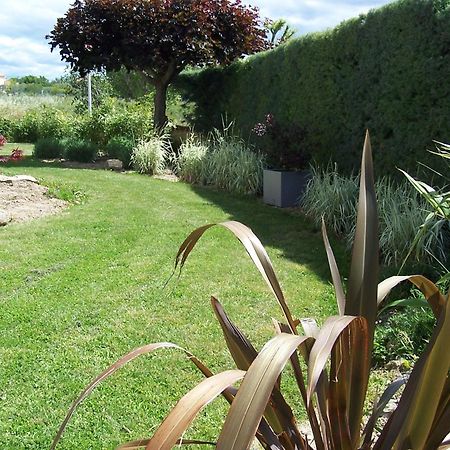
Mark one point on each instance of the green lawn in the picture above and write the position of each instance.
(6, 149)
(80, 289)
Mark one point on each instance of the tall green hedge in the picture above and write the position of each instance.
(388, 71)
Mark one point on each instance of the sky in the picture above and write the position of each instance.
(24, 24)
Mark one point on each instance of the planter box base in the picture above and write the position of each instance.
(284, 188)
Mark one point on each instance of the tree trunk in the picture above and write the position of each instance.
(159, 115)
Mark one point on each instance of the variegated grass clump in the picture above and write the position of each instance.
(232, 165)
(401, 213)
(149, 156)
(333, 379)
(435, 229)
(190, 161)
(223, 160)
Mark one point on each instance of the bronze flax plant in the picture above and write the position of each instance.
(337, 357)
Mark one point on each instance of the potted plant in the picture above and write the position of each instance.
(286, 177)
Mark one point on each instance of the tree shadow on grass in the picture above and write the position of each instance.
(298, 239)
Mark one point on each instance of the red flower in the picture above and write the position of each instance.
(2, 140)
(17, 154)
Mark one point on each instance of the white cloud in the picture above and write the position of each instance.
(315, 15)
(24, 24)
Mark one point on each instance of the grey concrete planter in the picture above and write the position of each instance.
(284, 188)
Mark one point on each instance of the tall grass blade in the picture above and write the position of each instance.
(379, 407)
(336, 276)
(431, 381)
(256, 252)
(185, 411)
(415, 414)
(114, 368)
(362, 286)
(252, 397)
(427, 287)
(140, 443)
(322, 348)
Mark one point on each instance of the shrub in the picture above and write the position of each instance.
(402, 335)
(191, 159)
(283, 144)
(27, 127)
(7, 128)
(133, 122)
(79, 150)
(121, 148)
(150, 156)
(48, 148)
(332, 382)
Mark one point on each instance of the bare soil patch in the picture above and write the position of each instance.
(22, 199)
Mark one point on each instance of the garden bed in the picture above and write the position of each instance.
(23, 199)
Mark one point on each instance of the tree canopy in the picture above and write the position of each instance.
(156, 37)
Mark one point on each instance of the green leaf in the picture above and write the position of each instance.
(336, 276)
(363, 279)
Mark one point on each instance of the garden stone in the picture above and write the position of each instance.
(26, 178)
(5, 218)
(11, 180)
(114, 164)
(5, 179)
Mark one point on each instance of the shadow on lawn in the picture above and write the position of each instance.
(29, 161)
(287, 230)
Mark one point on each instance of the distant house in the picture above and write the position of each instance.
(3, 81)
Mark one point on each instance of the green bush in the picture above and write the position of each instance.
(402, 335)
(79, 150)
(7, 128)
(27, 127)
(48, 148)
(150, 156)
(386, 71)
(121, 148)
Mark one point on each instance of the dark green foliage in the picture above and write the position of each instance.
(283, 144)
(402, 335)
(79, 150)
(121, 148)
(48, 148)
(386, 71)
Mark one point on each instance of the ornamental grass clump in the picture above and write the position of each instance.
(191, 160)
(232, 165)
(333, 197)
(149, 156)
(223, 160)
(331, 364)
